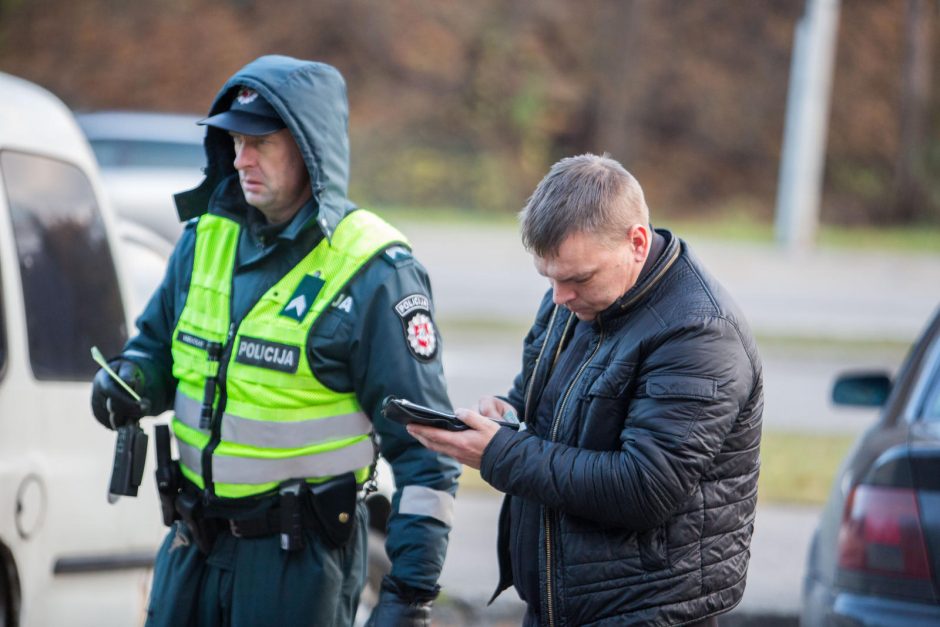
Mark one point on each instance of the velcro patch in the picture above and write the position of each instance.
(265, 354)
(192, 340)
(302, 298)
(396, 255)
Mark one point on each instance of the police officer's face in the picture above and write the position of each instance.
(272, 174)
(589, 272)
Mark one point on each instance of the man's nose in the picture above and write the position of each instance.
(561, 294)
(244, 157)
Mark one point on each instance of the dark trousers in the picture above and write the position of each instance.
(245, 582)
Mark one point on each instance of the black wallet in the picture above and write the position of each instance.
(404, 411)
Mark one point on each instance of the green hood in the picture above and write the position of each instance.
(311, 99)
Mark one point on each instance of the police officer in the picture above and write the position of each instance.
(285, 317)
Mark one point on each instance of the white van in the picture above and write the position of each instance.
(67, 556)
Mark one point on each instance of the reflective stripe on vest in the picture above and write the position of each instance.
(278, 421)
(267, 471)
(270, 434)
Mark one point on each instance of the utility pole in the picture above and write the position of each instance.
(804, 137)
(911, 198)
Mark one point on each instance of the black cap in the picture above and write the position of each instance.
(249, 114)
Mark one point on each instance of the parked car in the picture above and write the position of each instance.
(875, 556)
(145, 158)
(67, 556)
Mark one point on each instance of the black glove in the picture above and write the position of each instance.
(400, 604)
(112, 405)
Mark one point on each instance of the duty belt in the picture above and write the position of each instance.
(328, 509)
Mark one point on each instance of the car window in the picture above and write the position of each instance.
(70, 289)
(120, 153)
(931, 402)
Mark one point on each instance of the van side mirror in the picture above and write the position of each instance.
(861, 389)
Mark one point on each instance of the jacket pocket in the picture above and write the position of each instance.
(681, 386)
(674, 402)
(612, 380)
(605, 401)
(654, 554)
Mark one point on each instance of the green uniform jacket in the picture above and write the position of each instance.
(361, 342)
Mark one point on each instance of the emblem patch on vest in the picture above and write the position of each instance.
(265, 354)
(302, 298)
(420, 334)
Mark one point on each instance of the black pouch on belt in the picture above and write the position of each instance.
(168, 475)
(334, 506)
(203, 530)
(291, 515)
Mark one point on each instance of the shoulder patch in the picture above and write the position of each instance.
(397, 255)
(414, 311)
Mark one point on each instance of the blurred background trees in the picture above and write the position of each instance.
(466, 105)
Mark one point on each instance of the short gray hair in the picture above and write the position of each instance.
(587, 193)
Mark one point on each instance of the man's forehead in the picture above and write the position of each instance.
(566, 264)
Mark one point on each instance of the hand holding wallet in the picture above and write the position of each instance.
(404, 411)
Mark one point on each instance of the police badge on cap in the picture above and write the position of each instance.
(249, 114)
(420, 334)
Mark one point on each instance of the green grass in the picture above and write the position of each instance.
(445, 215)
(924, 239)
(735, 226)
(795, 467)
(454, 326)
(809, 346)
(737, 229)
(913, 239)
(800, 467)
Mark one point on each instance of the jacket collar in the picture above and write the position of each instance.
(653, 272)
(228, 201)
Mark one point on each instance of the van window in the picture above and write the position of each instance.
(70, 288)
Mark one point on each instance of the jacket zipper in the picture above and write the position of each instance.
(535, 367)
(216, 426)
(547, 517)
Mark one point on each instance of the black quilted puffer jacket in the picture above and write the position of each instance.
(647, 476)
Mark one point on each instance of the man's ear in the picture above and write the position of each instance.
(640, 238)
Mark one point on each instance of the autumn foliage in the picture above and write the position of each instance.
(466, 104)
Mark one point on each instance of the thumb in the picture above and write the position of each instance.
(472, 418)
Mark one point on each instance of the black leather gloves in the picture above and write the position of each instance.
(400, 604)
(112, 405)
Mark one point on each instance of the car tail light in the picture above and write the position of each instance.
(881, 533)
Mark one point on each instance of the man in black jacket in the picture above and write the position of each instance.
(631, 489)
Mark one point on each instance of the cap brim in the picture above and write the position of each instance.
(244, 123)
